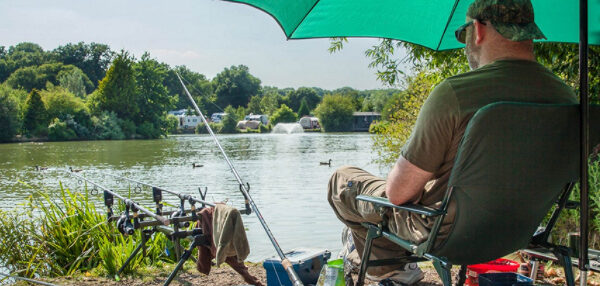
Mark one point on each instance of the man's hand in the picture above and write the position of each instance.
(405, 182)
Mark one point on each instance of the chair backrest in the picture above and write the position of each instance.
(513, 162)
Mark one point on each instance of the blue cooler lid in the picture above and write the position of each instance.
(301, 254)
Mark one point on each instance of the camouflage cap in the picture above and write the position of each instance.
(513, 19)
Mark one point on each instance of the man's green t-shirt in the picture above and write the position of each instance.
(442, 121)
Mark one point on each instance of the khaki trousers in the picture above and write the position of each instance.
(347, 183)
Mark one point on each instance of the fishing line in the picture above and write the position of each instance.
(244, 188)
(195, 89)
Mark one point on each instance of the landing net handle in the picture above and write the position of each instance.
(284, 261)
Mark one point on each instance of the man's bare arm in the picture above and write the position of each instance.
(405, 182)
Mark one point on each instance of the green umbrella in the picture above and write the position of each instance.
(431, 23)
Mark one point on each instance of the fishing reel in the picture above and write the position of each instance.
(181, 213)
(125, 226)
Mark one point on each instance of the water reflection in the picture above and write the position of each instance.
(287, 182)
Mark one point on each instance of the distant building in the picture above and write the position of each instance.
(308, 122)
(217, 117)
(264, 119)
(189, 121)
(361, 121)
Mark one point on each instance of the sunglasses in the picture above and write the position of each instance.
(461, 34)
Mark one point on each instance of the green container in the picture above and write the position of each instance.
(338, 264)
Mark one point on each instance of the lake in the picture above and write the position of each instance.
(286, 180)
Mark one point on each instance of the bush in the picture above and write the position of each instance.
(106, 126)
(283, 114)
(172, 122)
(9, 110)
(35, 119)
(128, 128)
(216, 128)
(60, 102)
(148, 130)
(59, 131)
(230, 121)
(335, 113)
(264, 128)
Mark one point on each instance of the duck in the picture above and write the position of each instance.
(74, 170)
(40, 168)
(326, 163)
(196, 165)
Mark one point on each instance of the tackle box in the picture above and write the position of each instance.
(307, 262)
(504, 279)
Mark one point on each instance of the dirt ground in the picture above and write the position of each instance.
(224, 275)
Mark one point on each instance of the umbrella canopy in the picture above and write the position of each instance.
(429, 23)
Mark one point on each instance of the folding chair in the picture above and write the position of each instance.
(515, 161)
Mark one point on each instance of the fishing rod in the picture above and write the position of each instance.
(285, 262)
(109, 195)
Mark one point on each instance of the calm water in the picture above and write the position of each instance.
(287, 182)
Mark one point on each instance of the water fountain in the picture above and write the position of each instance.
(287, 128)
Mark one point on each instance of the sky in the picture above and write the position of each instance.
(204, 35)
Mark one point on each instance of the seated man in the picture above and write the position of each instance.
(499, 47)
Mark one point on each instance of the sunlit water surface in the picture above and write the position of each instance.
(287, 182)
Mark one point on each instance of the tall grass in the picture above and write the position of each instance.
(568, 220)
(58, 236)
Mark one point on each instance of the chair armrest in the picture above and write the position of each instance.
(384, 202)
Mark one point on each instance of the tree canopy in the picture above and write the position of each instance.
(235, 86)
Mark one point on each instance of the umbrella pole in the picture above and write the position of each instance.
(584, 151)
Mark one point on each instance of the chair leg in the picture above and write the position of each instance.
(372, 233)
(564, 257)
(462, 275)
(443, 270)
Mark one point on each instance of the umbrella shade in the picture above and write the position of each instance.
(429, 23)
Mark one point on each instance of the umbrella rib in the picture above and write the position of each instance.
(303, 18)
(447, 24)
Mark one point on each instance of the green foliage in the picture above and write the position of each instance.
(64, 234)
(9, 114)
(229, 121)
(235, 86)
(240, 113)
(20, 56)
(295, 98)
(59, 131)
(107, 126)
(59, 102)
(198, 86)
(148, 130)
(283, 114)
(35, 117)
(270, 102)
(117, 90)
(303, 110)
(93, 59)
(392, 135)
(172, 122)
(37, 77)
(128, 128)
(264, 128)
(152, 96)
(74, 81)
(254, 105)
(216, 128)
(335, 113)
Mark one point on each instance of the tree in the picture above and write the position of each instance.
(270, 102)
(235, 86)
(74, 81)
(152, 98)
(37, 77)
(35, 118)
(254, 105)
(295, 98)
(303, 110)
(60, 102)
(9, 111)
(117, 90)
(335, 113)
(20, 56)
(283, 114)
(93, 59)
(229, 121)
(199, 87)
